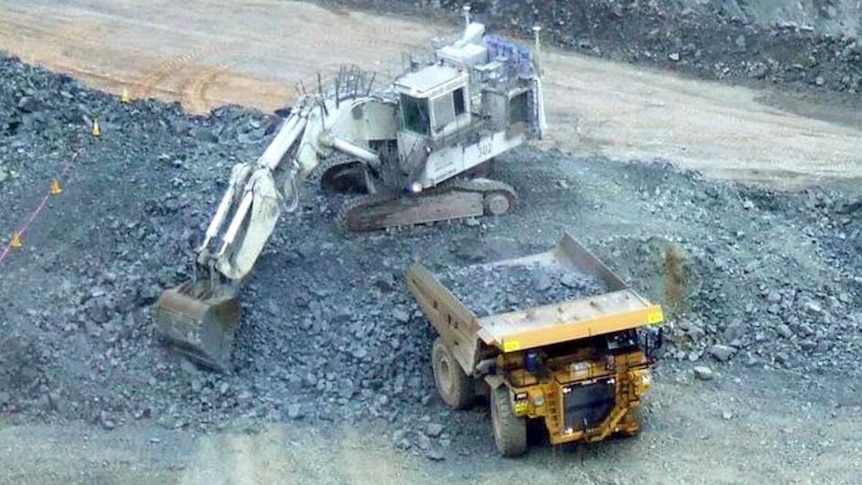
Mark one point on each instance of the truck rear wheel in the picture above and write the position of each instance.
(510, 431)
(453, 384)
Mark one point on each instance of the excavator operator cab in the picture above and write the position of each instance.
(434, 102)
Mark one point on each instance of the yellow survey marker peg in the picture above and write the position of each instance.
(125, 99)
(17, 243)
(96, 130)
(56, 189)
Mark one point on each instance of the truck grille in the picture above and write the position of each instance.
(586, 405)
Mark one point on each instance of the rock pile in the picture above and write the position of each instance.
(330, 332)
(493, 289)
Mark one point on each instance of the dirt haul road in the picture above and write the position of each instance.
(206, 54)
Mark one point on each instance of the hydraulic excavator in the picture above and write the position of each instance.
(415, 151)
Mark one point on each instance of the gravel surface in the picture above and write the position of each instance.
(492, 289)
(330, 333)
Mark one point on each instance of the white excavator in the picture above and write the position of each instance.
(416, 151)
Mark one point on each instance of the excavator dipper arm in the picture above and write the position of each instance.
(200, 317)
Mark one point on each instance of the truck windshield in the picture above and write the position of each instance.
(415, 114)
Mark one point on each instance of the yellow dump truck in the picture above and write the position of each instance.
(582, 365)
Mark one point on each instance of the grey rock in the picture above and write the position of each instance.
(346, 388)
(404, 444)
(541, 281)
(435, 454)
(385, 283)
(98, 313)
(204, 134)
(106, 421)
(434, 430)
(424, 442)
(294, 383)
(813, 307)
(722, 353)
(750, 359)
(400, 315)
(703, 373)
(784, 331)
(734, 331)
(29, 104)
(294, 411)
(570, 281)
(695, 333)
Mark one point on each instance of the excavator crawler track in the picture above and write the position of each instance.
(457, 199)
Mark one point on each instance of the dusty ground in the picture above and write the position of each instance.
(746, 426)
(205, 54)
(743, 428)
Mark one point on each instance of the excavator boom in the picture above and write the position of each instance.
(199, 317)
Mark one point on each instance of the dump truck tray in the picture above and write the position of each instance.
(472, 338)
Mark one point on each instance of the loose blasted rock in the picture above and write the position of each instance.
(330, 332)
(493, 289)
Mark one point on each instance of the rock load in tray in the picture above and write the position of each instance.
(492, 289)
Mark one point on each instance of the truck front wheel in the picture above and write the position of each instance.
(510, 431)
(453, 384)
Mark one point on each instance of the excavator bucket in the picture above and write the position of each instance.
(199, 322)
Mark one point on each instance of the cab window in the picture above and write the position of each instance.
(415, 115)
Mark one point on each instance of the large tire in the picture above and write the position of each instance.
(453, 385)
(510, 431)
